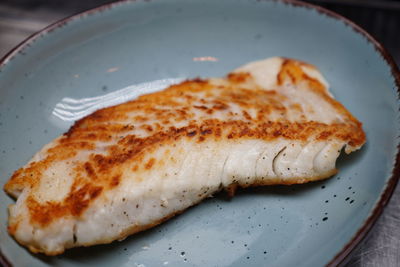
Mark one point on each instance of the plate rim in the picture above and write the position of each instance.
(342, 256)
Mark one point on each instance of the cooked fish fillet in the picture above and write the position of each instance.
(129, 167)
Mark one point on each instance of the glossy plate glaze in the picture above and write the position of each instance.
(116, 52)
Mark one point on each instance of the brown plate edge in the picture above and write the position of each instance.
(19, 49)
(341, 256)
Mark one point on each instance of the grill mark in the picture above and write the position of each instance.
(76, 202)
(150, 164)
(89, 170)
(115, 181)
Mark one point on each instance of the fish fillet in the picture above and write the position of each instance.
(129, 167)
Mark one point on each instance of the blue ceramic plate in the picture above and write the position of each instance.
(115, 52)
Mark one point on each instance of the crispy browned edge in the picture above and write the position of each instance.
(340, 257)
(230, 190)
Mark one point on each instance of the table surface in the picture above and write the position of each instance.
(21, 18)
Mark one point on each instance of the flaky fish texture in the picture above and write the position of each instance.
(129, 167)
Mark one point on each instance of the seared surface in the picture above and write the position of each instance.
(129, 167)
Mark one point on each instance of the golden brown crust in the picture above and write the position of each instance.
(231, 191)
(154, 116)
